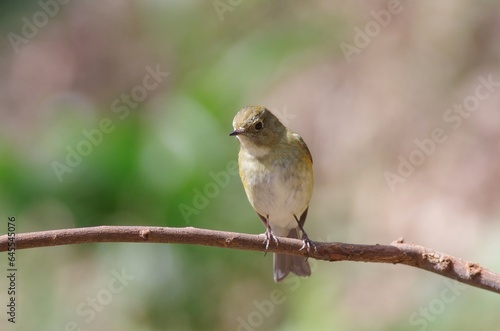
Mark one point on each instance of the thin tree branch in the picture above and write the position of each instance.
(397, 252)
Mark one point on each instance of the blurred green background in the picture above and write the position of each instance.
(89, 136)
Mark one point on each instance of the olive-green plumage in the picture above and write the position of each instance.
(275, 167)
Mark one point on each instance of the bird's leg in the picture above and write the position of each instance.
(307, 243)
(269, 236)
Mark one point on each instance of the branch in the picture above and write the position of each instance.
(397, 252)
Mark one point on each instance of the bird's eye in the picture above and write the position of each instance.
(258, 126)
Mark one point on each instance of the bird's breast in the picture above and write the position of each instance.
(276, 187)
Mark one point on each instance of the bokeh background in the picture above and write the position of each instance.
(84, 66)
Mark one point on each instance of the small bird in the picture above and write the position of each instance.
(275, 167)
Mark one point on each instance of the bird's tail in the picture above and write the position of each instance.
(284, 264)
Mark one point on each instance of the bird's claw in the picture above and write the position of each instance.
(307, 244)
(269, 236)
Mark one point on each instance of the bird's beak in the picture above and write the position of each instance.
(236, 132)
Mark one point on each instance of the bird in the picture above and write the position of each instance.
(275, 167)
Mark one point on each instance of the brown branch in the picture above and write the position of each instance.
(397, 252)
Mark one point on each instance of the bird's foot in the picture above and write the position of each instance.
(269, 236)
(307, 244)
